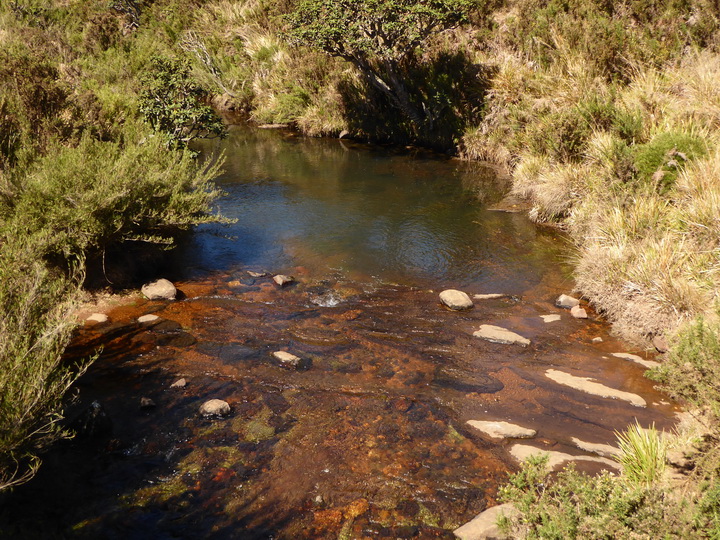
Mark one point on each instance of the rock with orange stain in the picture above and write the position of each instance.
(327, 519)
(223, 474)
(356, 508)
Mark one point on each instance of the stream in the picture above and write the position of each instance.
(370, 439)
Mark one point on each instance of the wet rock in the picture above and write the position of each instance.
(147, 319)
(585, 384)
(604, 450)
(166, 326)
(502, 430)
(490, 296)
(578, 312)
(523, 451)
(660, 344)
(497, 334)
(179, 339)
(290, 360)
(597, 339)
(180, 383)
(92, 422)
(484, 525)
(455, 299)
(162, 289)
(550, 318)
(256, 274)
(98, 318)
(215, 407)
(283, 280)
(146, 403)
(567, 302)
(637, 359)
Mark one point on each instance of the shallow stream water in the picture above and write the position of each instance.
(370, 439)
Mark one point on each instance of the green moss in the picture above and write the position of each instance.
(257, 429)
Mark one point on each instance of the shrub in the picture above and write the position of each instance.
(34, 329)
(659, 161)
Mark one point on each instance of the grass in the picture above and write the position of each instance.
(642, 454)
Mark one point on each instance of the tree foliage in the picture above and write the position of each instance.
(379, 37)
(173, 103)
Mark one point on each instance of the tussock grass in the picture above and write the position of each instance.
(642, 454)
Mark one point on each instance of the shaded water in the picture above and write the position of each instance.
(371, 439)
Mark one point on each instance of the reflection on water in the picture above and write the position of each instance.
(329, 204)
(370, 439)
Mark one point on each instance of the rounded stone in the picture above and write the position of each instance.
(455, 299)
(215, 407)
(98, 318)
(149, 318)
(568, 302)
(162, 289)
(283, 280)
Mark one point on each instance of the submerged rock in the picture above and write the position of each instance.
(256, 274)
(484, 525)
(502, 430)
(162, 289)
(455, 299)
(578, 312)
(215, 407)
(290, 360)
(637, 359)
(146, 403)
(283, 280)
(585, 384)
(92, 422)
(497, 334)
(489, 296)
(567, 302)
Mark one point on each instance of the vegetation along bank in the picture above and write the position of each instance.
(606, 113)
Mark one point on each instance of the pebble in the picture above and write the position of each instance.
(146, 403)
(149, 318)
(180, 383)
(283, 280)
(578, 312)
(98, 318)
(597, 339)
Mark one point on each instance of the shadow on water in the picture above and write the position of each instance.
(370, 438)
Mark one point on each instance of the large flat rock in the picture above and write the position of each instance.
(600, 449)
(502, 430)
(523, 451)
(586, 384)
(637, 359)
(497, 334)
(484, 525)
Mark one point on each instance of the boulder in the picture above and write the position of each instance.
(497, 334)
(162, 289)
(283, 280)
(149, 318)
(567, 302)
(215, 407)
(578, 312)
(98, 318)
(660, 344)
(455, 299)
(502, 430)
(585, 384)
(484, 525)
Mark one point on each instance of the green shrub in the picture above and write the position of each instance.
(659, 161)
(81, 199)
(561, 135)
(692, 370)
(34, 330)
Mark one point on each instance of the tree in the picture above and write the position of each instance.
(379, 37)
